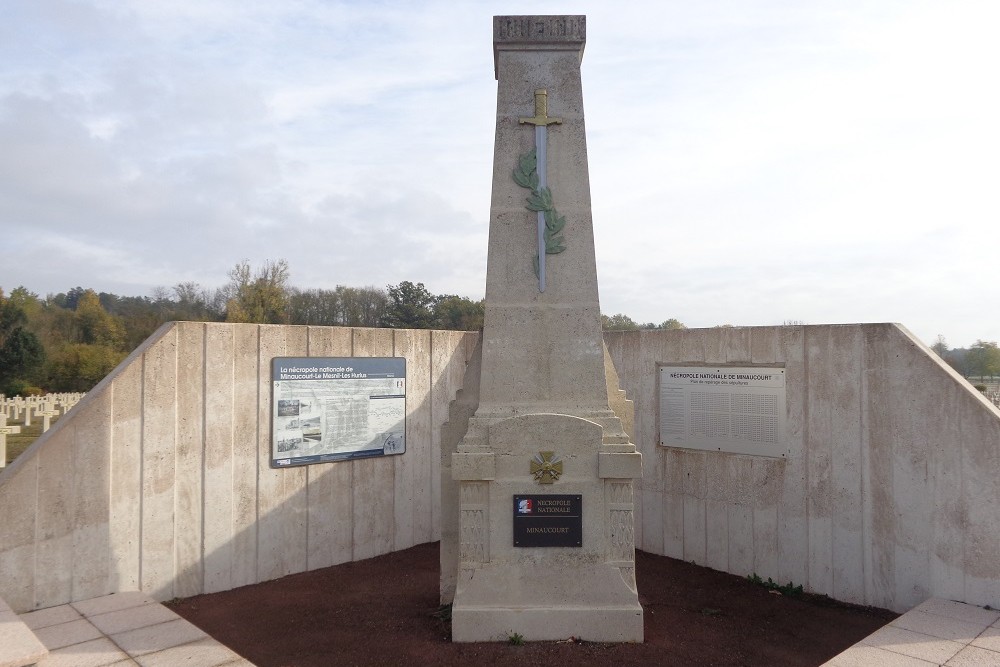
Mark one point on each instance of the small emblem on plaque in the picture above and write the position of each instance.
(546, 467)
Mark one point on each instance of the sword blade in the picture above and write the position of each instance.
(540, 146)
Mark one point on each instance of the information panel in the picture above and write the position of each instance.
(335, 408)
(548, 520)
(724, 408)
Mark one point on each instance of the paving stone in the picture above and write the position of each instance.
(64, 613)
(115, 622)
(973, 656)
(958, 610)
(202, 653)
(113, 602)
(152, 638)
(67, 634)
(18, 644)
(860, 655)
(95, 653)
(914, 644)
(990, 639)
(943, 627)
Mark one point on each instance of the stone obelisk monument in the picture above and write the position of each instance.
(545, 470)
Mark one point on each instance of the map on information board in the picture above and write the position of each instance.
(336, 408)
(727, 409)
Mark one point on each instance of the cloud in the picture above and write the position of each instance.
(749, 163)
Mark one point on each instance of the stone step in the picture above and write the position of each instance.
(19, 646)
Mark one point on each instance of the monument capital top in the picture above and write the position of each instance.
(559, 32)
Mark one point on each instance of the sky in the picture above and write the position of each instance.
(752, 162)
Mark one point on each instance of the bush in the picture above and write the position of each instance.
(18, 387)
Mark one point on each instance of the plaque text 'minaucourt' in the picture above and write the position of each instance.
(540, 28)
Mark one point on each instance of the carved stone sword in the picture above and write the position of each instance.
(541, 121)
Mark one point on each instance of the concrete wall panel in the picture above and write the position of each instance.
(159, 447)
(54, 555)
(879, 515)
(18, 533)
(246, 460)
(188, 498)
(846, 472)
(818, 444)
(159, 479)
(414, 517)
(793, 525)
(124, 498)
(91, 481)
(889, 490)
(219, 417)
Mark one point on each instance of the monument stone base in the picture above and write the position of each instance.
(578, 582)
(594, 603)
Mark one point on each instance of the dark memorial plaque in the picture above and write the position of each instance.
(548, 521)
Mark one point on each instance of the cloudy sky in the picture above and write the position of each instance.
(752, 161)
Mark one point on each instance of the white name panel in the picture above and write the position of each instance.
(723, 408)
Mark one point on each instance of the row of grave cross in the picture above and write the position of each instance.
(23, 409)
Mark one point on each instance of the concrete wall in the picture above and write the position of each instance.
(891, 492)
(159, 479)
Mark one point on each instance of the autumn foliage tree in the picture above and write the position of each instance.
(260, 297)
(21, 353)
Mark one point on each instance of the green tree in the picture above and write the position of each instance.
(983, 359)
(361, 306)
(21, 353)
(319, 307)
(260, 297)
(96, 326)
(940, 347)
(28, 302)
(671, 324)
(618, 322)
(458, 313)
(79, 366)
(409, 306)
(193, 303)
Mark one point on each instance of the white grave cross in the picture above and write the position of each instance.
(4, 430)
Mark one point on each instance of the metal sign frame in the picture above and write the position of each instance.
(736, 409)
(336, 408)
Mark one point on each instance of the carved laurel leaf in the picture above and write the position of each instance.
(558, 222)
(536, 202)
(528, 162)
(522, 179)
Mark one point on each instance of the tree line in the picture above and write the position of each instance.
(979, 360)
(71, 340)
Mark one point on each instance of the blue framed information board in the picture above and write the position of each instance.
(336, 408)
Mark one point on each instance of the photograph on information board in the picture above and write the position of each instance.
(336, 408)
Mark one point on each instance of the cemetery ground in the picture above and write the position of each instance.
(384, 611)
(18, 442)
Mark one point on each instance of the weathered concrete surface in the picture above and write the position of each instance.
(159, 480)
(890, 493)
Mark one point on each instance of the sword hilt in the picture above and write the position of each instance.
(541, 116)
